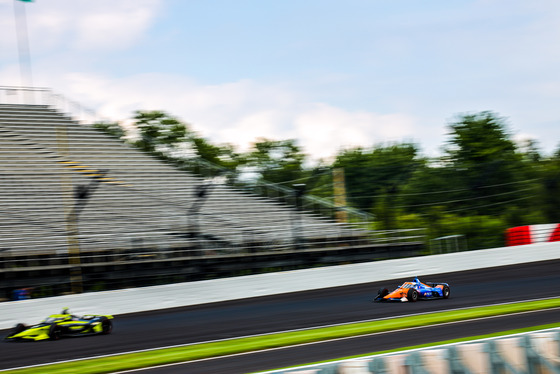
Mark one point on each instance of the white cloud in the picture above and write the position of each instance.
(81, 25)
(241, 112)
(251, 126)
(325, 129)
(466, 57)
(114, 24)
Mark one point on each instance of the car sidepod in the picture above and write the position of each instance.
(429, 292)
(87, 325)
(435, 291)
(101, 325)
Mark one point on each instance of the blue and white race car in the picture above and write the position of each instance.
(415, 290)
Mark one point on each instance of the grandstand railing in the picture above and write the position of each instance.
(126, 245)
(46, 96)
(314, 204)
(139, 259)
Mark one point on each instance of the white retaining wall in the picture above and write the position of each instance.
(201, 292)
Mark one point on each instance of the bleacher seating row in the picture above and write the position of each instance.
(529, 353)
(45, 155)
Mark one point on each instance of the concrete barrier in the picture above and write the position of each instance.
(191, 293)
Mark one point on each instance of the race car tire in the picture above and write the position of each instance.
(381, 294)
(412, 295)
(107, 326)
(19, 328)
(446, 292)
(55, 332)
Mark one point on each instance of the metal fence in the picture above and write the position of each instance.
(46, 96)
(320, 206)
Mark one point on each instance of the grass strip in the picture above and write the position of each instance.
(156, 357)
(427, 345)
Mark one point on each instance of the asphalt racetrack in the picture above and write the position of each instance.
(301, 310)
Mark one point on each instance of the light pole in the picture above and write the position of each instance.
(23, 43)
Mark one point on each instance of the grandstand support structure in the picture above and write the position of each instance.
(200, 195)
(299, 192)
(82, 193)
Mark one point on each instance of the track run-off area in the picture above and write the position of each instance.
(303, 310)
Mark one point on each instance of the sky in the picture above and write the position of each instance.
(330, 74)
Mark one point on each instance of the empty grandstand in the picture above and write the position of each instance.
(74, 198)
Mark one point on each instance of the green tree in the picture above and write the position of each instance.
(482, 152)
(276, 161)
(374, 177)
(110, 128)
(551, 188)
(159, 132)
(225, 156)
(172, 139)
(432, 186)
(318, 180)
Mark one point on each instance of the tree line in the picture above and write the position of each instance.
(483, 183)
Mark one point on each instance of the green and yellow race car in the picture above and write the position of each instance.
(57, 326)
